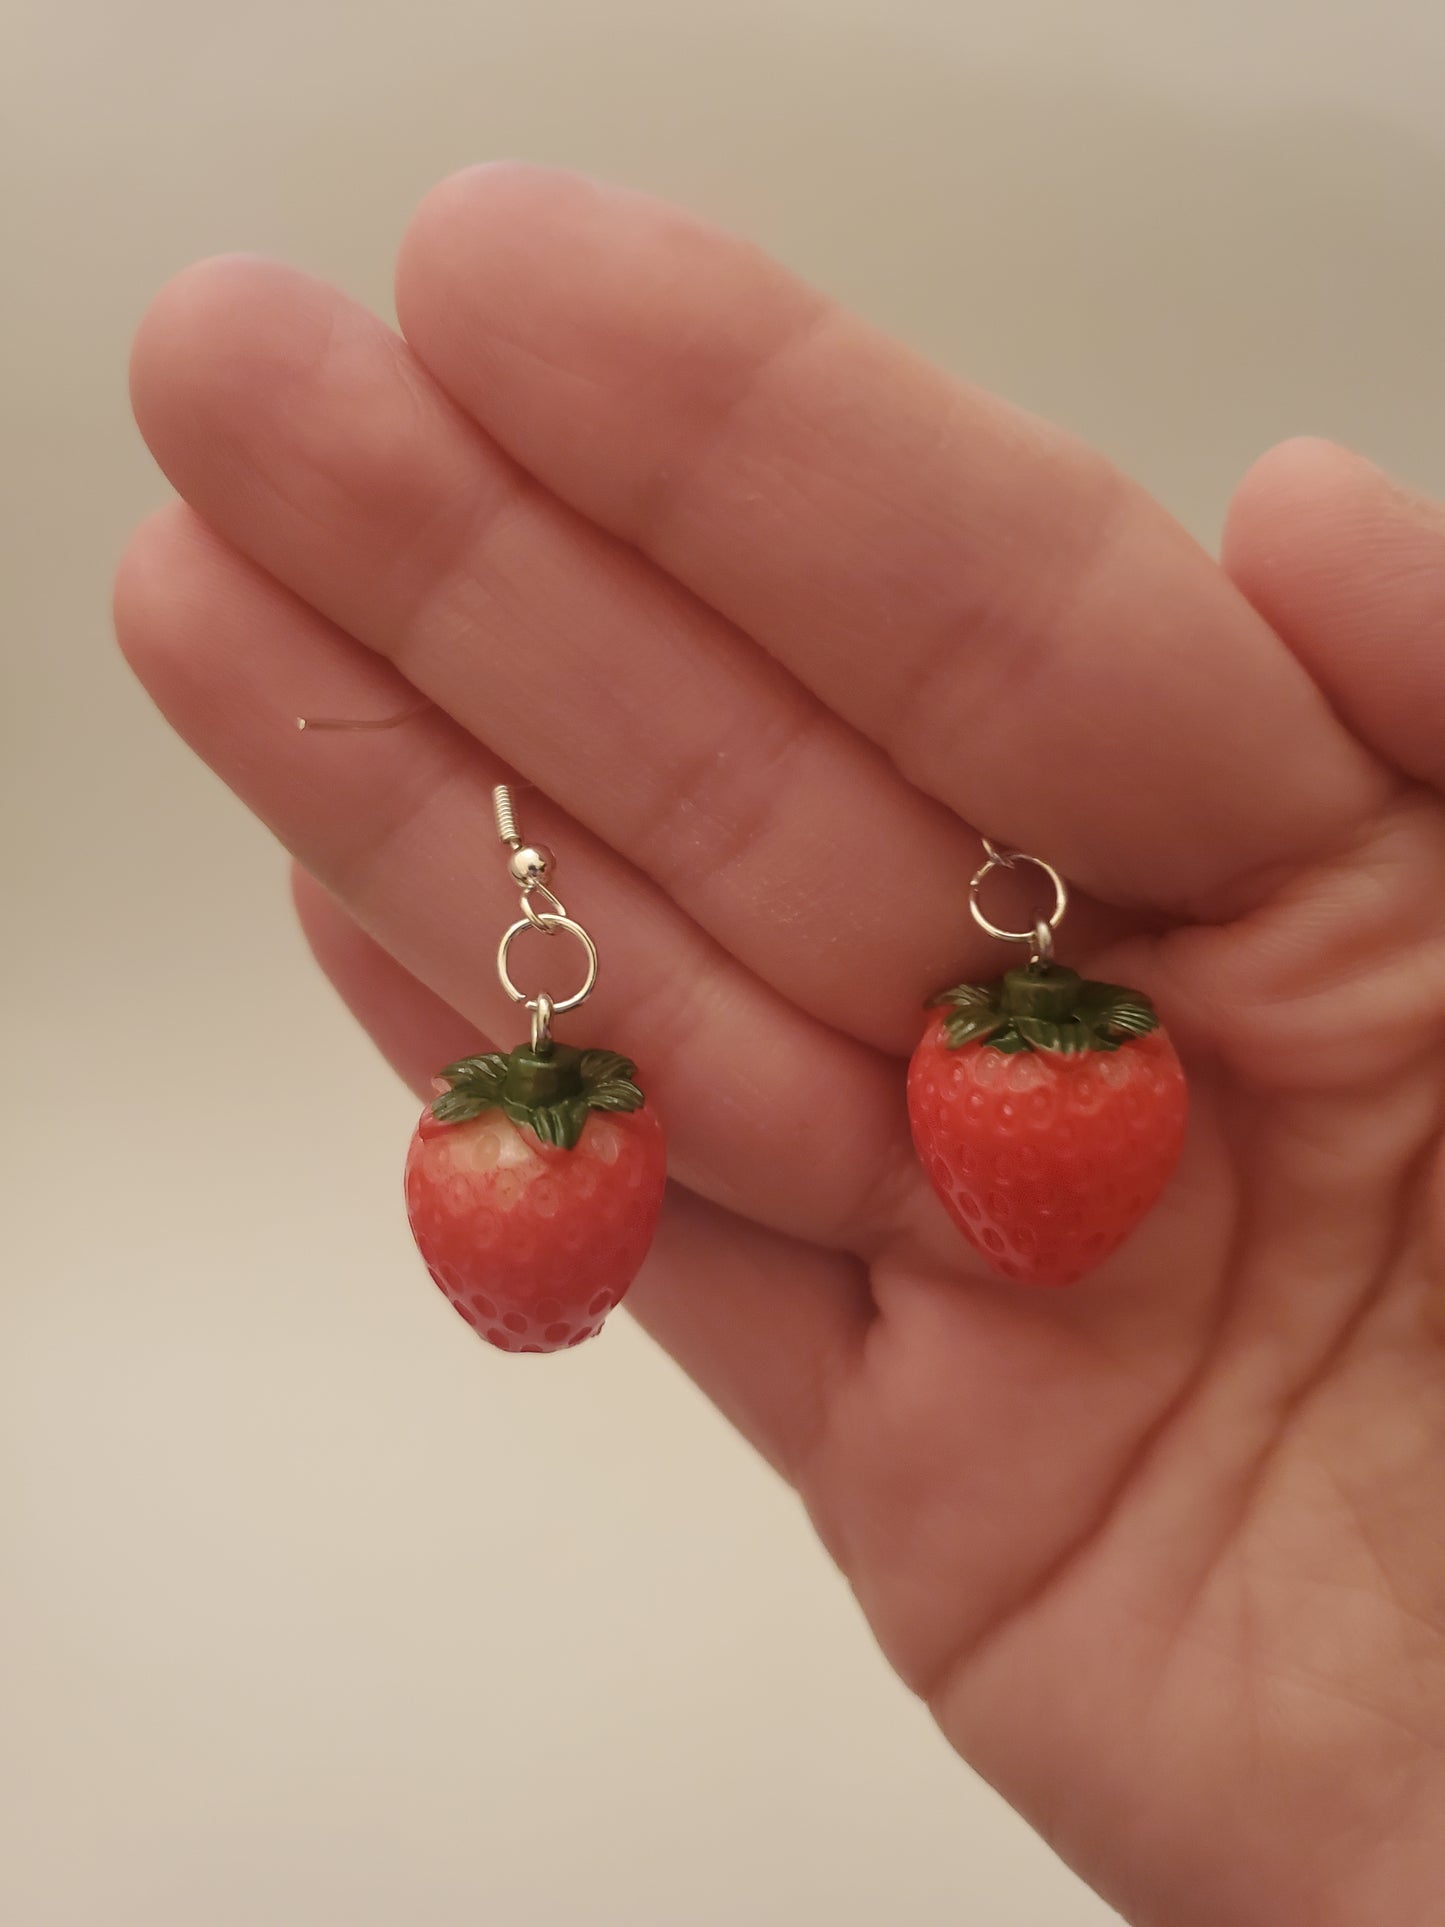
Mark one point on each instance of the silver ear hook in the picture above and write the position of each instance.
(350, 722)
(529, 865)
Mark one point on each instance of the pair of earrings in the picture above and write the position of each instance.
(1048, 1112)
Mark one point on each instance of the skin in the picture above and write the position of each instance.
(777, 620)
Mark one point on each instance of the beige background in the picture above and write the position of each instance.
(313, 1611)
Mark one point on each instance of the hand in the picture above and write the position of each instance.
(780, 619)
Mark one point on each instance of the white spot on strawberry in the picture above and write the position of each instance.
(544, 1198)
(506, 1189)
(1025, 1072)
(479, 1149)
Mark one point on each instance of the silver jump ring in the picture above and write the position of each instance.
(547, 924)
(542, 919)
(541, 1007)
(1001, 860)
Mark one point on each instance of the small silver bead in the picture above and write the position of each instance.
(532, 863)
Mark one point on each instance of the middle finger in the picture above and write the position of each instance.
(305, 432)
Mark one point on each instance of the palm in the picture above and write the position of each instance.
(1166, 1563)
(775, 615)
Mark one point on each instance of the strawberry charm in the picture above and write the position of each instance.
(1048, 1111)
(535, 1178)
(533, 1186)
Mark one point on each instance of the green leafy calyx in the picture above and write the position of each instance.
(1045, 1007)
(551, 1091)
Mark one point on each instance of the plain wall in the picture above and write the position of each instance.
(313, 1610)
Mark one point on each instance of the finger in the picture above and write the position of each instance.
(1029, 636)
(415, 1030)
(1349, 568)
(398, 826)
(305, 433)
(765, 1326)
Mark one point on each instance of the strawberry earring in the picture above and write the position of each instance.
(1048, 1111)
(535, 1177)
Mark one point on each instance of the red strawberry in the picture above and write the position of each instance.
(1048, 1113)
(533, 1185)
